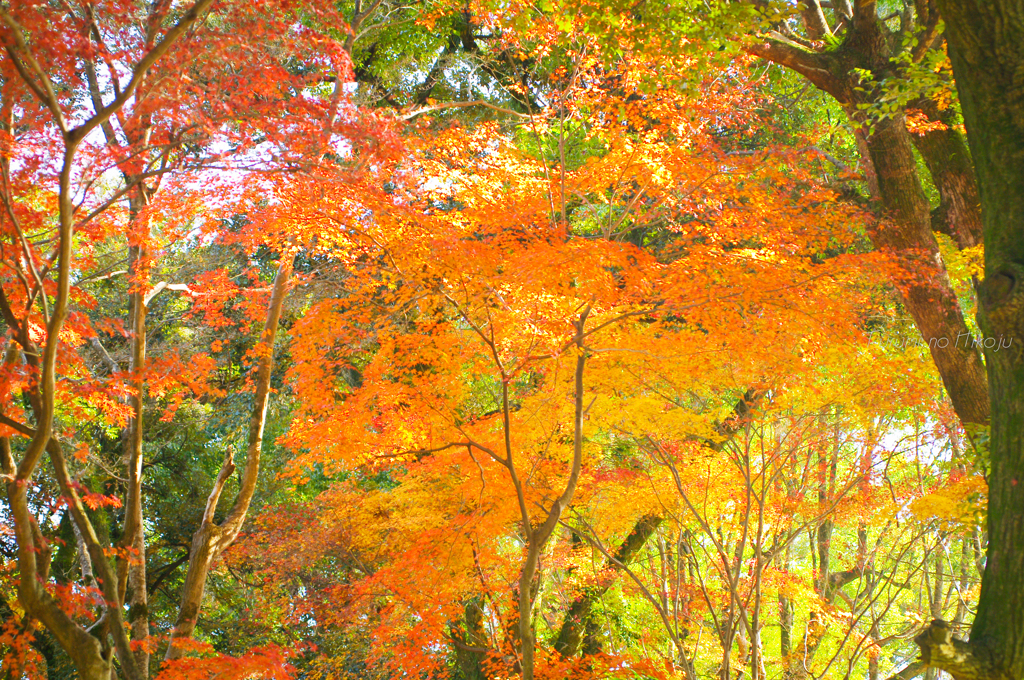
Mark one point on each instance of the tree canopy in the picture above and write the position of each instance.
(568, 339)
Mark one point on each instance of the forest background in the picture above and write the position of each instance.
(569, 339)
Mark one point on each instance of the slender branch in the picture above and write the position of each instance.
(227, 468)
(462, 105)
(211, 539)
(44, 91)
(358, 17)
(104, 573)
(139, 73)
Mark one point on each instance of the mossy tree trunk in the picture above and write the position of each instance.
(986, 45)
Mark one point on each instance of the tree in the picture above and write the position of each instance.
(139, 92)
(985, 42)
(855, 58)
(442, 343)
(90, 653)
(585, 361)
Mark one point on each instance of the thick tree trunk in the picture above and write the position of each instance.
(949, 163)
(986, 41)
(906, 231)
(923, 282)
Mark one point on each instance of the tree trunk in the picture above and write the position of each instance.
(785, 625)
(537, 538)
(471, 643)
(986, 45)
(906, 231)
(131, 571)
(923, 282)
(949, 163)
(572, 633)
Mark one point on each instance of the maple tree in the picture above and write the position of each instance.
(144, 94)
(430, 278)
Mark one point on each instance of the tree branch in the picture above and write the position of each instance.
(45, 90)
(912, 671)
(963, 660)
(461, 105)
(814, 20)
(210, 539)
(814, 66)
(139, 73)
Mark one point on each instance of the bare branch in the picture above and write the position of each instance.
(227, 468)
(105, 357)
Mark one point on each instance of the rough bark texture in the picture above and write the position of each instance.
(986, 41)
(949, 163)
(962, 660)
(905, 233)
(926, 290)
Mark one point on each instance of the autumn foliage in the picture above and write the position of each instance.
(593, 373)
